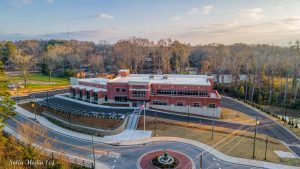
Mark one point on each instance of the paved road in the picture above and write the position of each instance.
(121, 157)
(266, 125)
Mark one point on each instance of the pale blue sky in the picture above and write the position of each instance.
(190, 21)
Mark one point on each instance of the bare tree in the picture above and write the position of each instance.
(23, 62)
(54, 56)
(96, 62)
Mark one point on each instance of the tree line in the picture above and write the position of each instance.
(272, 71)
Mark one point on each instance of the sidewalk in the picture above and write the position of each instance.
(213, 152)
(139, 137)
(262, 113)
(49, 151)
(126, 135)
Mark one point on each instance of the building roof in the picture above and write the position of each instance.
(164, 79)
(102, 81)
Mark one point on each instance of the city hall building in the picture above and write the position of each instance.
(172, 92)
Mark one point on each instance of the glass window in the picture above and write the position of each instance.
(196, 104)
(117, 89)
(158, 102)
(95, 96)
(123, 90)
(121, 98)
(212, 105)
(179, 104)
(139, 94)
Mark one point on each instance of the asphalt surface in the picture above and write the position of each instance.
(124, 157)
(129, 154)
(266, 125)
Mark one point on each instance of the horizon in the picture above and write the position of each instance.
(196, 23)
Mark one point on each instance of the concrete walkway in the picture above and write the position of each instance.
(49, 151)
(129, 137)
(212, 151)
(126, 135)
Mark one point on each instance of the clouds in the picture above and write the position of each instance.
(206, 9)
(175, 18)
(253, 13)
(103, 16)
(193, 11)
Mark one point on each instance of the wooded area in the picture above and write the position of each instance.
(272, 71)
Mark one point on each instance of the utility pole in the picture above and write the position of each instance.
(253, 156)
(34, 108)
(212, 127)
(47, 99)
(155, 123)
(144, 116)
(201, 162)
(94, 152)
(266, 148)
(188, 114)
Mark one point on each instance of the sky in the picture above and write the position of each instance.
(189, 21)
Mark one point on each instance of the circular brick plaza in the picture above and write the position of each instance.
(184, 160)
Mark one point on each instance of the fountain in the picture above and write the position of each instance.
(165, 161)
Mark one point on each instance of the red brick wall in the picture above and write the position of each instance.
(111, 90)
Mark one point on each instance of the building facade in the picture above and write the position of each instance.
(178, 93)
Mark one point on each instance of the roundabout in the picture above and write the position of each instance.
(165, 159)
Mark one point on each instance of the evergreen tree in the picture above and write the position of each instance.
(6, 104)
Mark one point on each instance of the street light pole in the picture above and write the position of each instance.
(201, 162)
(266, 148)
(155, 123)
(212, 127)
(94, 151)
(34, 108)
(253, 155)
(188, 114)
(144, 116)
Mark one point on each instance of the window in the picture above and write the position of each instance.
(88, 95)
(212, 105)
(80, 93)
(139, 94)
(117, 89)
(121, 98)
(181, 93)
(95, 96)
(123, 90)
(179, 104)
(74, 92)
(196, 104)
(158, 102)
(105, 97)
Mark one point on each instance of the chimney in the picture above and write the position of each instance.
(124, 72)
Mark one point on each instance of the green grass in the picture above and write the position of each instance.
(39, 77)
(39, 81)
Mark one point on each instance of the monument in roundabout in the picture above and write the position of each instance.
(165, 161)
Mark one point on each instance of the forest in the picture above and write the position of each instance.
(272, 71)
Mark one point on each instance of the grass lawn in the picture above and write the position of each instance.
(234, 116)
(238, 146)
(38, 82)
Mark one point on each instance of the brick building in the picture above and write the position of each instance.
(179, 93)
